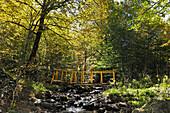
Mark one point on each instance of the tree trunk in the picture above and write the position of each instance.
(38, 36)
(85, 60)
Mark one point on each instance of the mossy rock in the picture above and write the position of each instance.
(154, 106)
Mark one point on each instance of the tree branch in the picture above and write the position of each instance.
(26, 4)
(163, 7)
(54, 7)
(19, 25)
(38, 2)
(59, 35)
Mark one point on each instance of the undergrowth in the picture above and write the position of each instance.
(139, 95)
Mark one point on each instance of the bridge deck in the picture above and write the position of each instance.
(82, 81)
(80, 84)
(83, 84)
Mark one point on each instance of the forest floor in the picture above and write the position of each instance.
(70, 98)
(38, 97)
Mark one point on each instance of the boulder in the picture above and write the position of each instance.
(89, 106)
(63, 98)
(57, 106)
(46, 105)
(47, 94)
(154, 106)
(50, 100)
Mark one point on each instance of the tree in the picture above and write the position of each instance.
(55, 27)
(132, 30)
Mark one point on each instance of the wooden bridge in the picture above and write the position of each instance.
(78, 76)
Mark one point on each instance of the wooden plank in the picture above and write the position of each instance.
(56, 77)
(66, 77)
(101, 78)
(62, 76)
(107, 71)
(113, 77)
(83, 76)
(92, 77)
(71, 78)
(52, 78)
(97, 71)
(75, 79)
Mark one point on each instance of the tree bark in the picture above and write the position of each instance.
(85, 60)
(38, 37)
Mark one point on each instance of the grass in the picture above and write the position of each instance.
(138, 96)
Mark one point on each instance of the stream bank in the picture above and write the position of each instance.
(77, 98)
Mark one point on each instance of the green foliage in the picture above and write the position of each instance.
(132, 41)
(38, 87)
(12, 111)
(139, 96)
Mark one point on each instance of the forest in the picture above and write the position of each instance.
(129, 37)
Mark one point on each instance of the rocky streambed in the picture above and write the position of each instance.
(76, 98)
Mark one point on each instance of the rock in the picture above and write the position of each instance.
(154, 106)
(101, 110)
(76, 104)
(57, 105)
(77, 97)
(83, 95)
(71, 102)
(109, 101)
(37, 102)
(46, 105)
(73, 110)
(47, 94)
(63, 98)
(122, 104)
(92, 100)
(109, 108)
(50, 100)
(112, 107)
(115, 108)
(39, 96)
(98, 88)
(114, 98)
(95, 92)
(81, 104)
(125, 110)
(38, 109)
(89, 106)
(57, 99)
(96, 106)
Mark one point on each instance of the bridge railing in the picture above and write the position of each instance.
(74, 74)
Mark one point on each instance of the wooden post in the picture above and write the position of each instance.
(66, 77)
(52, 78)
(56, 77)
(75, 79)
(83, 76)
(101, 78)
(92, 77)
(62, 76)
(113, 77)
(71, 77)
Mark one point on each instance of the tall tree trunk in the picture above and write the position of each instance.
(38, 36)
(85, 60)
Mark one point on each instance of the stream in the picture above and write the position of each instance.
(79, 99)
